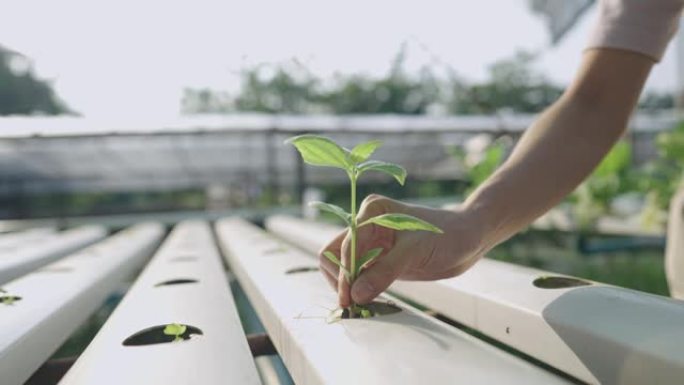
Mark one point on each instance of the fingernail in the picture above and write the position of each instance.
(362, 290)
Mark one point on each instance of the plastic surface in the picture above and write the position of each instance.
(57, 299)
(219, 356)
(402, 348)
(597, 333)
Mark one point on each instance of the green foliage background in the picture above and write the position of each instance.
(21, 92)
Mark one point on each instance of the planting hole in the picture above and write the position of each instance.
(9, 299)
(156, 335)
(557, 282)
(183, 259)
(304, 269)
(179, 281)
(375, 309)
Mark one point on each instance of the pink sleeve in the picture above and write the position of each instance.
(644, 26)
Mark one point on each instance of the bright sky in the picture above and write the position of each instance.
(134, 57)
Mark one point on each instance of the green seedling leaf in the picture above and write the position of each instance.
(369, 257)
(361, 152)
(402, 222)
(175, 330)
(398, 172)
(329, 254)
(339, 211)
(365, 313)
(321, 151)
(9, 300)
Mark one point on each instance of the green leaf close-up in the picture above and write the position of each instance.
(332, 258)
(321, 151)
(402, 222)
(369, 257)
(339, 211)
(361, 152)
(398, 172)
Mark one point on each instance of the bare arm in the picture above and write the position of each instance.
(555, 154)
(564, 145)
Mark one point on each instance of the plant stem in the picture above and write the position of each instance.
(352, 270)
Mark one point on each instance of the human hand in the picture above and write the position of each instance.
(407, 255)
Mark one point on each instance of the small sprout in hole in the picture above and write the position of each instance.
(176, 330)
(9, 300)
(321, 151)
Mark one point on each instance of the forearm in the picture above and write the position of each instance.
(563, 146)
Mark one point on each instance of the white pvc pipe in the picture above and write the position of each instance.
(56, 300)
(402, 348)
(597, 333)
(18, 262)
(219, 356)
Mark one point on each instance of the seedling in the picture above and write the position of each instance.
(176, 330)
(321, 151)
(9, 300)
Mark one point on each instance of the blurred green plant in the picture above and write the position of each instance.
(290, 88)
(660, 178)
(612, 177)
(21, 92)
(479, 169)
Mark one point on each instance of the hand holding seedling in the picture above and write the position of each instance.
(408, 255)
(369, 255)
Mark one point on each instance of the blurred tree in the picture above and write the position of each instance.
(396, 93)
(512, 85)
(293, 89)
(289, 89)
(204, 100)
(21, 93)
(654, 101)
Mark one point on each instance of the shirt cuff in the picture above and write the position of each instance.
(643, 26)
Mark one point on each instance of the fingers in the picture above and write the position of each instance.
(378, 277)
(332, 279)
(374, 205)
(368, 237)
(325, 264)
(334, 246)
(375, 279)
(343, 290)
